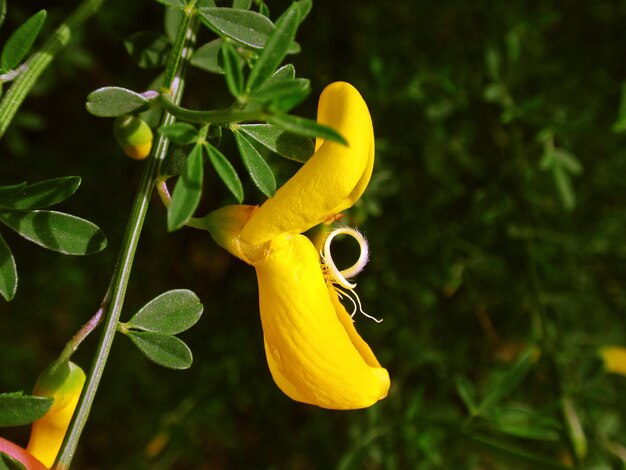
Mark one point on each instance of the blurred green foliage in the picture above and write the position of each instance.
(495, 216)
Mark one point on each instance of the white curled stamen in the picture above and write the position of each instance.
(339, 279)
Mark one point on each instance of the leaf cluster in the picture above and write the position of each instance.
(23, 209)
(248, 52)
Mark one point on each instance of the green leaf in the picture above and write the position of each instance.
(187, 191)
(574, 429)
(3, 11)
(276, 48)
(279, 141)
(7, 192)
(568, 161)
(115, 101)
(466, 392)
(242, 4)
(247, 27)
(8, 271)
(174, 162)
(225, 171)
(56, 231)
(180, 4)
(514, 455)
(171, 21)
(206, 57)
(277, 89)
(17, 409)
(264, 9)
(258, 169)
(509, 381)
(619, 125)
(304, 6)
(232, 68)
(9, 463)
(42, 194)
(180, 133)
(170, 313)
(286, 72)
(564, 188)
(165, 350)
(148, 49)
(20, 42)
(524, 423)
(307, 127)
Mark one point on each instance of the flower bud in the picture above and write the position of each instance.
(133, 135)
(64, 383)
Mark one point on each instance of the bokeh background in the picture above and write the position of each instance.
(495, 215)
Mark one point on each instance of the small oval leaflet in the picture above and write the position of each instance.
(165, 350)
(17, 409)
(56, 231)
(115, 101)
(8, 271)
(170, 313)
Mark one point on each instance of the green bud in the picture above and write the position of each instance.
(133, 135)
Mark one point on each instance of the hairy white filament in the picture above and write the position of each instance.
(339, 279)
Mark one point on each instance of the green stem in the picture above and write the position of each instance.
(227, 115)
(38, 62)
(174, 82)
(73, 344)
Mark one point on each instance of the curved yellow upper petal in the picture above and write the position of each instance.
(331, 181)
(311, 354)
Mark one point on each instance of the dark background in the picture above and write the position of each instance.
(477, 251)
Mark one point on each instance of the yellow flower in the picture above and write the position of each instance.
(64, 383)
(614, 358)
(313, 351)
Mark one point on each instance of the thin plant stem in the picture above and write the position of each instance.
(216, 116)
(72, 345)
(174, 84)
(37, 62)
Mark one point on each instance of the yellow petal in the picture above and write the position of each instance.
(614, 358)
(313, 354)
(331, 181)
(47, 432)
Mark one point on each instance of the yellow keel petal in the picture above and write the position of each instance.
(311, 356)
(331, 181)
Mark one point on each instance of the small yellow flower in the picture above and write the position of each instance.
(313, 351)
(614, 358)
